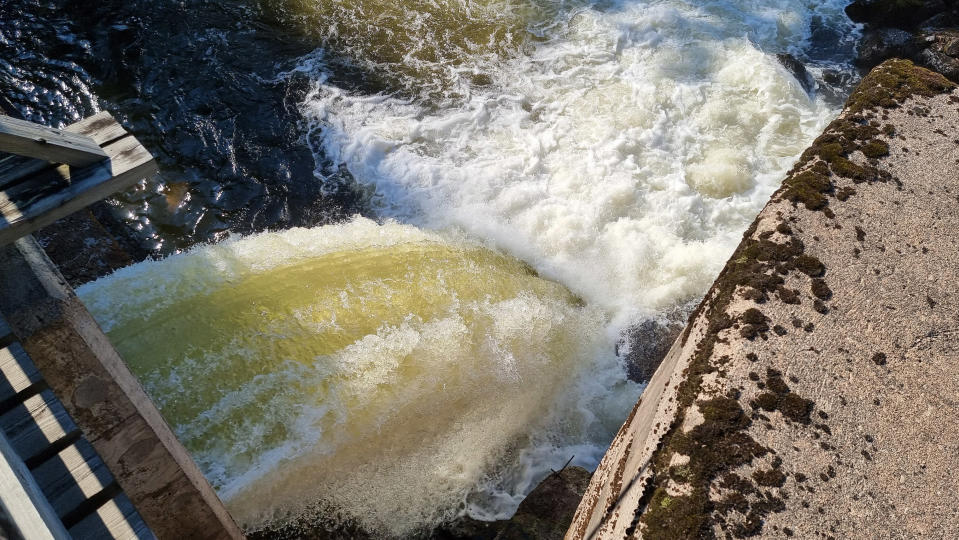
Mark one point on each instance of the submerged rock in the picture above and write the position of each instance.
(921, 31)
(904, 14)
(884, 43)
(835, 85)
(646, 344)
(103, 253)
(935, 49)
(548, 510)
(940, 52)
(798, 70)
(545, 514)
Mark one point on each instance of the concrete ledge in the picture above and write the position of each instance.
(813, 393)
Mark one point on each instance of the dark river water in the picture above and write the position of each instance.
(196, 82)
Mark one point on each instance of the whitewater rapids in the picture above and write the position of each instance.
(543, 175)
(379, 368)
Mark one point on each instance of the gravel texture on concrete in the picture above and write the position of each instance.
(815, 392)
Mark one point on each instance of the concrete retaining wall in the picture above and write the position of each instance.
(814, 392)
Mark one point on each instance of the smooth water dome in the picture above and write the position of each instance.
(379, 368)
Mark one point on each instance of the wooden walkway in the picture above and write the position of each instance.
(66, 474)
(84, 453)
(54, 483)
(39, 188)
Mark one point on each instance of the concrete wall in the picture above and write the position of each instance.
(814, 391)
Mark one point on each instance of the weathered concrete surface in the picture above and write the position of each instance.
(105, 399)
(814, 392)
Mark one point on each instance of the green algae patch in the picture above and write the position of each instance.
(876, 149)
(753, 323)
(809, 265)
(894, 81)
(780, 397)
(810, 182)
(809, 188)
(722, 442)
(769, 478)
(820, 289)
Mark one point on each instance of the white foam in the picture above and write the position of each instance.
(619, 148)
(621, 155)
(444, 379)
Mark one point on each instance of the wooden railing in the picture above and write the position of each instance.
(88, 450)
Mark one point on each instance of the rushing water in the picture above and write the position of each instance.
(537, 177)
(619, 147)
(382, 368)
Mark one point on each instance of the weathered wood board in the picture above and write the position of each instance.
(17, 374)
(49, 144)
(74, 480)
(34, 194)
(51, 477)
(35, 424)
(105, 444)
(113, 518)
(21, 501)
(108, 404)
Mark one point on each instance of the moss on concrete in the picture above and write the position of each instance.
(757, 270)
(894, 81)
(810, 181)
(722, 442)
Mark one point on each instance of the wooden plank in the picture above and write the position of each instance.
(13, 168)
(28, 206)
(22, 500)
(72, 477)
(115, 519)
(50, 144)
(17, 372)
(33, 426)
(106, 400)
(101, 127)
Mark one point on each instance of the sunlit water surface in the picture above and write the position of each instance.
(413, 370)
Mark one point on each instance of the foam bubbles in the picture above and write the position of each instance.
(398, 375)
(620, 152)
(722, 173)
(406, 373)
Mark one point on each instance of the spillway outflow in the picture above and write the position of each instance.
(407, 373)
(401, 376)
(620, 147)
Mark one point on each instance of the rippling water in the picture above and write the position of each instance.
(411, 369)
(196, 82)
(620, 147)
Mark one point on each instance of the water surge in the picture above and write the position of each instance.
(385, 370)
(542, 177)
(620, 147)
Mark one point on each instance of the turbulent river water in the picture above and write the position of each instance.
(537, 177)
